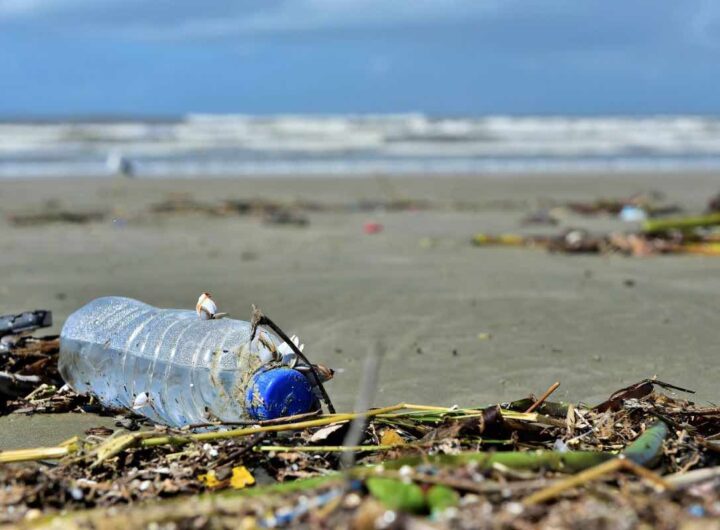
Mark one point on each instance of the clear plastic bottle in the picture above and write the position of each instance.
(191, 371)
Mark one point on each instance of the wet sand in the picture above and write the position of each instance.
(419, 287)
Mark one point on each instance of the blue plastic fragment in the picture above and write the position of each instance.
(696, 510)
(631, 213)
(278, 392)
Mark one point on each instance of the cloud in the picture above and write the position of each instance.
(313, 15)
(187, 18)
(24, 9)
(502, 25)
(705, 25)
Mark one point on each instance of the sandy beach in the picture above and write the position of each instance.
(460, 324)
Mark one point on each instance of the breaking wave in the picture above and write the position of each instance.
(226, 145)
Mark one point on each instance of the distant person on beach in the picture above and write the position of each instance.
(119, 165)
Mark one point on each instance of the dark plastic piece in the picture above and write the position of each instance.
(27, 321)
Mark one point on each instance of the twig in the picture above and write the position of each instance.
(594, 473)
(260, 319)
(276, 421)
(645, 473)
(39, 453)
(683, 480)
(144, 438)
(546, 395)
(576, 480)
(328, 448)
(115, 445)
(16, 385)
(469, 486)
(237, 433)
(368, 386)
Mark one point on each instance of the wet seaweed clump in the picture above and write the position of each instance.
(699, 235)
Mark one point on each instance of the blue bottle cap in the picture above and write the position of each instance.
(278, 392)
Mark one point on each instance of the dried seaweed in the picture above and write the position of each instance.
(556, 465)
(654, 241)
(30, 382)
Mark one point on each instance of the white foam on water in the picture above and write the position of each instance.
(227, 145)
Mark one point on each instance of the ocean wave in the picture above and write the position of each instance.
(403, 143)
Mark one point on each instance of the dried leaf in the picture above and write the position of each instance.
(210, 479)
(391, 437)
(491, 422)
(636, 391)
(115, 445)
(322, 434)
(241, 478)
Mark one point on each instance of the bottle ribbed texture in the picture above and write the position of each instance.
(192, 370)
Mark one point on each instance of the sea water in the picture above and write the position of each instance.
(236, 145)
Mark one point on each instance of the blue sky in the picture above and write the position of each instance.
(441, 57)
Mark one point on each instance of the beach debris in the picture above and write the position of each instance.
(276, 211)
(16, 385)
(681, 224)
(260, 319)
(184, 203)
(546, 216)
(287, 354)
(141, 400)
(632, 214)
(544, 397)
(637, 206)
(271, 212)
(714, 204)
(30, 382)
(59, 216)
(25, 322)
(286, 217)
(323, 372)
(239, 478)
(683, 235)
(207, 309)
(95, 346)
(372, 227)
(522, 457)
(647, 455)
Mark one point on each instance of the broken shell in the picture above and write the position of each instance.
(141, 400)
(324, 372)
(266, 348)
(206, 307)
(289, 359)
(286, 348)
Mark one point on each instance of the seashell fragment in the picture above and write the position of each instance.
(206, 307)
(140, 400)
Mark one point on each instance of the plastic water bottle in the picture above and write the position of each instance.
(184, 369)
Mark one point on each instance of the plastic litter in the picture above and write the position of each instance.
(178, 369)
(631, 213)
(25, 322)
(372, 228)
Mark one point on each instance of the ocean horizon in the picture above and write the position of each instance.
(229, 145)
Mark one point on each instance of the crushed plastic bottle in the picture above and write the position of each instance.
(178, 369)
